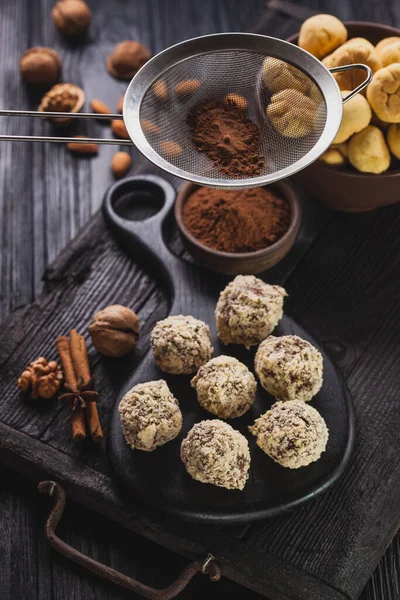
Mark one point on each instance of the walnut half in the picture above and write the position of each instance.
(43, 379)
(63, 97)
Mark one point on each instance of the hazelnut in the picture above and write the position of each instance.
(63, 97)
(41, 378)
(186, 88)
(40, 66)
(126, 59)
(322, 34)
(71, 17)
(237, 100)
(170, 149)
(149, 127)
(118, 128)
(114, 330)
(160, 90)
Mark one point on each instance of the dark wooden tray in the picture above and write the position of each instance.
(159, 477)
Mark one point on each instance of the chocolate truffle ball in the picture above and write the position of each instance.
(292, 433)
(150, 415)
(214, 452)
(225, 387)
(289, 368)
(181, 344)
(248, 310)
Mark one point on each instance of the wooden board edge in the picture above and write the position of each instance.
(16, 449)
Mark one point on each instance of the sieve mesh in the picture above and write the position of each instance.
(282, 100)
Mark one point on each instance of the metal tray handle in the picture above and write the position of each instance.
(55, 491)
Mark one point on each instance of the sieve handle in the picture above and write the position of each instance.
(62, 140)
(362, 85)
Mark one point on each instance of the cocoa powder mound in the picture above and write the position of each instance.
(236, 221)
(227, 137)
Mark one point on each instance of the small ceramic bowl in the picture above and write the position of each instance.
(344, 188)
(246, 263)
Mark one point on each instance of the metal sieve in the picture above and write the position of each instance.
(291, 96)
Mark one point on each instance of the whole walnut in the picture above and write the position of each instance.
(322, 34)
(127, 58)
(356, 50)
(72, 17)
(43, 379)
(114, 330)
(40, 66)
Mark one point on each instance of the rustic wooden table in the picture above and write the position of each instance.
(46, 196)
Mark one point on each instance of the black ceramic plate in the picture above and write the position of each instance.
(159, 477)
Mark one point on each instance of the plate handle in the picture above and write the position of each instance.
(57, 493)
(362, 85)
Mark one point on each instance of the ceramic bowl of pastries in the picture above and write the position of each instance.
(360, 171)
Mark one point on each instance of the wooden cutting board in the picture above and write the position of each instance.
(326, 549)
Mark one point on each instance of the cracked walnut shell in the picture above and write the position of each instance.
(72, 17)
(126, 59)
(63, 97)
(40, 66)
(41, 378)
(114, 330)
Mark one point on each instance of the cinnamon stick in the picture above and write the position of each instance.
(82, 370)
(78, 416)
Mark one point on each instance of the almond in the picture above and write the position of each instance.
(121, 163)
(170, 149)
(119, 129)
(99, 107)
(160, 90)
(81, 148)
(120, 104)
(149, 127)
(187, 88)
(236, 99)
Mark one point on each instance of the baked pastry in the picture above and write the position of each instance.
(293, 434)
(368, 151)
(333, 157)
(279, 75)
(292, 113)
(213, 452)
(322, 34)
(181, 344)
(289, 368)
(393, 139)
(383, 93)
(150, 415)
(390, 54)
(248, 310)
(356, 50)
(225, 387)
(386, 42)
(356, 116)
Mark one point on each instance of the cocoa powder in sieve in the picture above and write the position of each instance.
(236, 221)
(227, 137)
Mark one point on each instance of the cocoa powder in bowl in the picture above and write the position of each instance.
(236, 221)
(225, 134)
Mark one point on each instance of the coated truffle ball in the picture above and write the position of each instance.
(225, 387)
(293, 434)
(181, 344)
(289, 368)
(214, 452)
(248, 310)
(150, 415)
